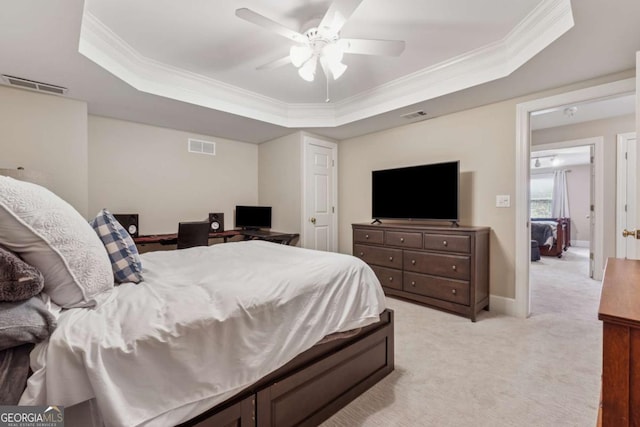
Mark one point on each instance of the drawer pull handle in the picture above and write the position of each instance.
(444, 242)
(413, 283)
(454, 268)
(391, 258)
(361, 253)
(413, 262)
(391, 279)
(453, 291)
(366, 236)
(402, 240)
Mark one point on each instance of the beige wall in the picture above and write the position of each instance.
(143, 169)
(481, 138)
(279, 181)
(46, 133)
(608, 129)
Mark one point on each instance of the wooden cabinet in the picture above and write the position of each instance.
(620, 314)
(442, 267)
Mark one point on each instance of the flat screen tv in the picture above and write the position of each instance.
(425, 192)
(253, 217)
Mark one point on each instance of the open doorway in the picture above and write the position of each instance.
(562, 184)
(603, 242)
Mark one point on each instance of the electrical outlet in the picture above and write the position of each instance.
(503, 201)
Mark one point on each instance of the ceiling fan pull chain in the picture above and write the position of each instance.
(326, 77)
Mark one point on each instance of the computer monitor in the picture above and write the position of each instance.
(253, 217)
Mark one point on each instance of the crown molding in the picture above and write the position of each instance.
(543, 25)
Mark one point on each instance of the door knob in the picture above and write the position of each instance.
(313, 220)
(631, 233)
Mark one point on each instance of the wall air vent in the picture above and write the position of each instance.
(202, 147)
(414, 115)
(33, 85)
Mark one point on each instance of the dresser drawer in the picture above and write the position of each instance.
(437, 287)
(404, 239)
(388, 277)
(447, 242)
(368, 236)
(374, 255)
(453, 266)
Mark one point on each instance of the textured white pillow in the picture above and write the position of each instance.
(52, 236)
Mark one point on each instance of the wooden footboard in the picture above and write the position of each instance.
(314, 385)
(562, 242)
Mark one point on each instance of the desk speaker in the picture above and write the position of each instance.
(216, 222)
(129, 222)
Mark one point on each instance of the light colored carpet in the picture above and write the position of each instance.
(499, 371)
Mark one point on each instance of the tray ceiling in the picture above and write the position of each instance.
(199, 52)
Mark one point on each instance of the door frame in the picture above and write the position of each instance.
(333, 146)
(522, 159)
(595, 245)
(622, 142)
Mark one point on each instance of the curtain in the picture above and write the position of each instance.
(560, 198)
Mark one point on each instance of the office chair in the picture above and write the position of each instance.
(192, 234)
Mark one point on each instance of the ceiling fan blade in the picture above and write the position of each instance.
(372, 47)
(337, 15)
(263, 21)
(275, 64)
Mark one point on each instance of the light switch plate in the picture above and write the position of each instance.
(503, 201)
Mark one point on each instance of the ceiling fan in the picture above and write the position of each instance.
(321, 42)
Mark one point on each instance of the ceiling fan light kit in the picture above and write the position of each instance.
(306, 57)
(308, 70)
(322, 43)
(299, 55)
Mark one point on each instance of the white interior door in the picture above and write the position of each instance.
(320, 195)
(592, 210)
(626, 195)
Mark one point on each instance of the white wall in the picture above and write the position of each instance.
(136, 168)
(279, 181)
(608, 129)
(46, 133)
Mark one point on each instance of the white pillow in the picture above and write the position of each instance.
(52, 236)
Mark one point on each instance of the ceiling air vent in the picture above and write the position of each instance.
(32, 84)
(202, 147)
(414, 115)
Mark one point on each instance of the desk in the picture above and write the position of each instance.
(172, 238)
(271, 236)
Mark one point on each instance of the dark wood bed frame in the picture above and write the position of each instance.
(563, 241)
(314, 385)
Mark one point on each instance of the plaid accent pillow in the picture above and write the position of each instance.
(122, 251)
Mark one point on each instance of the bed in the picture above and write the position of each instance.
(552, 235)
(248, 332)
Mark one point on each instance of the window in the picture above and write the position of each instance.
(541, 192)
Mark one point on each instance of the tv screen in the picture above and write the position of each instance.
(416, 192)
(253, 217)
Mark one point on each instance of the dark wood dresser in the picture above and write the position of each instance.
(620, 314)
(443, 267)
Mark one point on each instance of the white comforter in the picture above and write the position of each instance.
(204, 324)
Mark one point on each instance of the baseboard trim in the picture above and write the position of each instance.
(503, 305)
(580, 243)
